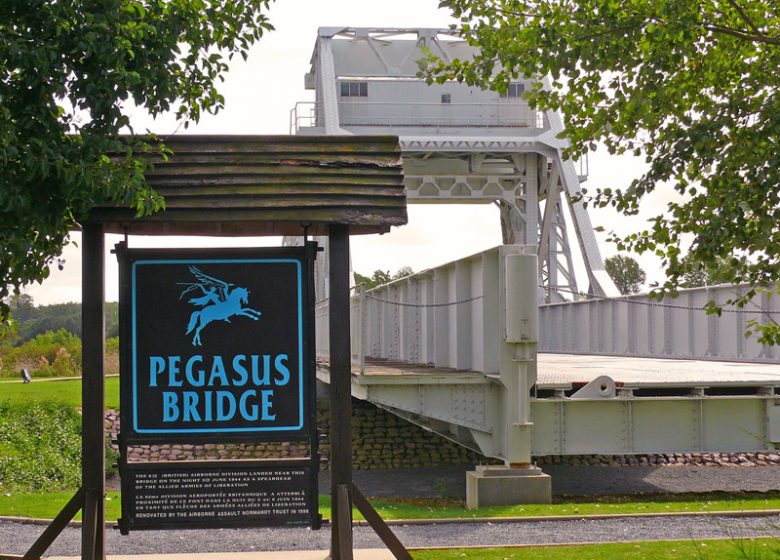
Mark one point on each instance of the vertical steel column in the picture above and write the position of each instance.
(340, 396)
(92, 392)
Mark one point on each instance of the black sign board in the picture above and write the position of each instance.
(218, 494)
(216, 344)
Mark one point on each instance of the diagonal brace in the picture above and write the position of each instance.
(380, 527)
(56, 527)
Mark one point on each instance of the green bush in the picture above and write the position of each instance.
(112, 345)
(51, 354)
(40, 446)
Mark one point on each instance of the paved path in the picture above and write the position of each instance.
(15, 537)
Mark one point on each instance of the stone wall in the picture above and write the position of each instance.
(666, 460)
(381, 440)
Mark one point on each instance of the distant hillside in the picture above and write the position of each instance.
(33, 320)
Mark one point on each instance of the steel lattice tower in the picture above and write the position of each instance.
(460, 144)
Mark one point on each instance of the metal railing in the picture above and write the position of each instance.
(420, 115)
(303, 115)
(448, 317)
(672, 328)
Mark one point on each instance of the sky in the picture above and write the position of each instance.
(259, 95)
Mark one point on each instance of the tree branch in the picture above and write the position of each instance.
(742, 34)
(745, 18)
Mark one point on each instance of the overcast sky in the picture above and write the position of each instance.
(259, 94)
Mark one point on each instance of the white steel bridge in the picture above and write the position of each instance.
(455, 349)
(466, 349)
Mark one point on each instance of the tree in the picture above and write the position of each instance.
(699, 275)
(71, 73)
(691, 85)
(403, 272)
(380, 277)
(626, 273)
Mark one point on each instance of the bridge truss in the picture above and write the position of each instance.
(460, 144)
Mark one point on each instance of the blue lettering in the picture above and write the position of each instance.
(190, 402)
(256, 379)
(222, 397)
(209, 416)
(218, 370)
(238, 367)
(200, 380)
(173, 371)
(265, 399)
(170, 406)
(156, 367)
(245, 414)
(282, 369)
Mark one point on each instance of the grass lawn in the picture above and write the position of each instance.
(432, 509)
(747, 549)
(68, 390)
(48, 505)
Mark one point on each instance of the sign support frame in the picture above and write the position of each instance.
(93, 532)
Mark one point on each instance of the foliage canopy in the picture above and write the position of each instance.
(71, 74)
(626, 273)
(380, 277)
(691, 85)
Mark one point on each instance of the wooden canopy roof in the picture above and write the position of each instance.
(271, 185)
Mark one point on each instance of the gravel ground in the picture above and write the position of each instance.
(15, 538)
(576, 481)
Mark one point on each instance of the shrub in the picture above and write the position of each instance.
(40, 446)
(47, 355)
(52, 354)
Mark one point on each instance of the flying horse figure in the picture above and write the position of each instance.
(220, 301)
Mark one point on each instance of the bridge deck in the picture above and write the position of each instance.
(564, 371)
(393, 372)
(556, 370)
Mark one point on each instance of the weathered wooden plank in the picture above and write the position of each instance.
(312, 181)
(315, 159)
(303, 202)
(214, 169)
(274, 175)
(233, 189)
(279, 144)
(357, 216)
(237, 228)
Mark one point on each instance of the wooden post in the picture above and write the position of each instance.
(340, 395)
(92, 392)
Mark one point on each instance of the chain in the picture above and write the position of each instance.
(423, 305)
(622, 299)
(666, 305)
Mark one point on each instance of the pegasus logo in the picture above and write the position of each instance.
(219, 301)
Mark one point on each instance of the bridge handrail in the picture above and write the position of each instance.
(636, 325)
(449, 316)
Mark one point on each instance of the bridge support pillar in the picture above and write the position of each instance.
(518, 482)
(503, 486)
